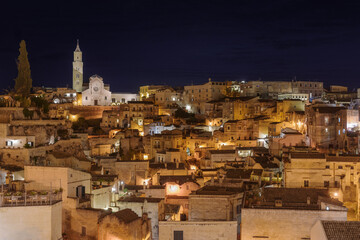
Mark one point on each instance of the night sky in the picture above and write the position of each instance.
(131, 43)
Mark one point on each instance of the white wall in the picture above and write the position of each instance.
(101, 197)
(317, 232)
(42, 178)
(31, 222)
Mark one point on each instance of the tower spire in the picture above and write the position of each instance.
(77, 46)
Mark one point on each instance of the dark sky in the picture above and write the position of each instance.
(131, 43)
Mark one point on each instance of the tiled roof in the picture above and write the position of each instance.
(239, 173)
(222, 151)
(126, 215)
(307, 155)
(296, 198)
(341, 230)
(330, 158)
(328, 109)
(179, 179)
(141, 199)
(140, 102)
(217, 190)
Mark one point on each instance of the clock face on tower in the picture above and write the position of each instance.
(96, 89)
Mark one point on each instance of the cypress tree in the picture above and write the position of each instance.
(23, 82)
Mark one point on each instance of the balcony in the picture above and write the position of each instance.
(31, 198)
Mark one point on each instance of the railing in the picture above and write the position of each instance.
(23, 199)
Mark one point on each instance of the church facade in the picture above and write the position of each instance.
(96, 94)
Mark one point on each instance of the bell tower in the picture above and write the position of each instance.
(77, 69)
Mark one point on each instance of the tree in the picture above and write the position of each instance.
(23, 82)
(27, 113)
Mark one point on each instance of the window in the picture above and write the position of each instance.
(306, 183)
(326, 184)
(9, 143)
(105, 98)
(238, 209)
(327, 166)
(85, 98)
(340, 167)
(336, 184)
(83, 231)
(178, 235)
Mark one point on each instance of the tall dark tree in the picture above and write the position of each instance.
(23, 82)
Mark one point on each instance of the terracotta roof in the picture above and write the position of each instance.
(238, 173)
(140, 102)
(296, 198)
(222, 151)
(141, 199)
(126, 215)
(217, 190)
(341, 230)
(328, 109)
(307, 155)
(330, 158)
(179, 179)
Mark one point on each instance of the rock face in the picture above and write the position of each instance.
(37, 156)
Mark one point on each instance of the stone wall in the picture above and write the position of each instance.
(225, 230)
(110, 227)
(90, 112)
(27, 156)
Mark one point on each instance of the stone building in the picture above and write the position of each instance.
(168, 97)
(123, 98)
(153, 207)
(124, 224)
(148, 91)
(274, 88)
(327, 126)
(200, 230)
(96, 94)
(161, 142)
(287, 213)
(195, 96)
